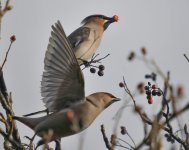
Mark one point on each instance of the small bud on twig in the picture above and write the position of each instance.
(13, 38)
(131, 56)
(143, 51)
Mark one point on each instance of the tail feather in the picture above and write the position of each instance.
(30, 122)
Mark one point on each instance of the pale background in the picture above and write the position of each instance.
(161, 26)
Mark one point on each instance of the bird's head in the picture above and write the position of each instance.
(103, 99)
(101, 20)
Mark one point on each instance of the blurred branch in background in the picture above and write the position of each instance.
(160, 121)
(4, 10)
(10, 132)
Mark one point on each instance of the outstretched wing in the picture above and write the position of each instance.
(62, 82)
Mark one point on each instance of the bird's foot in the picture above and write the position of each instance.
(29, 146)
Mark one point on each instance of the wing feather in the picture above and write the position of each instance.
(62, 81)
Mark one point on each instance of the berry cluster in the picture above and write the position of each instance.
(152, 90)
(100, 71)
(169, 138)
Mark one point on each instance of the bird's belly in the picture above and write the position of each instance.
(65, 128)
(86, 50)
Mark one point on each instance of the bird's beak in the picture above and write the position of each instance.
(114, 100)
(110, 20)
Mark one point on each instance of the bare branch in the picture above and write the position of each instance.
(106, 141)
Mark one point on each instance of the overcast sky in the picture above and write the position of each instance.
(161, 26)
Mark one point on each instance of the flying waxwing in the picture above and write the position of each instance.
(62, 89)
(86, 39)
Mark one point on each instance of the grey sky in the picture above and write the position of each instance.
(161, 26)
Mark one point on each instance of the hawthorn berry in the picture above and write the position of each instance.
(148, 92)
(146, 88)
(92, 70)
(100, 73)
(154, 92)
(154, 86)
(116, 18)
(123, 130)
(13, 38)
(158, 93)
(101, 67)
(150, 100)
(121, 84)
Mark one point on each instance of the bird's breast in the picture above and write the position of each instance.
(88, 47)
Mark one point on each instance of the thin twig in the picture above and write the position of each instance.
(179, 112)
(186, 57)
(14, 143)
(5, 59)
(92, 61)
(126, 142)
(131, 139)
(134, 102)
(164, 100)
(58, 144)
(170, 131)
(186, 133)
(3, 12)
(120, 145)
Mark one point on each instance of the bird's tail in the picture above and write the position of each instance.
(30, 122)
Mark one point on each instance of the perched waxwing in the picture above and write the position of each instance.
(62, 89)
(86, 39)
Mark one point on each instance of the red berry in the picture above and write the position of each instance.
(150, 100)
(154, 86)
(13, 38)
(116, 18)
